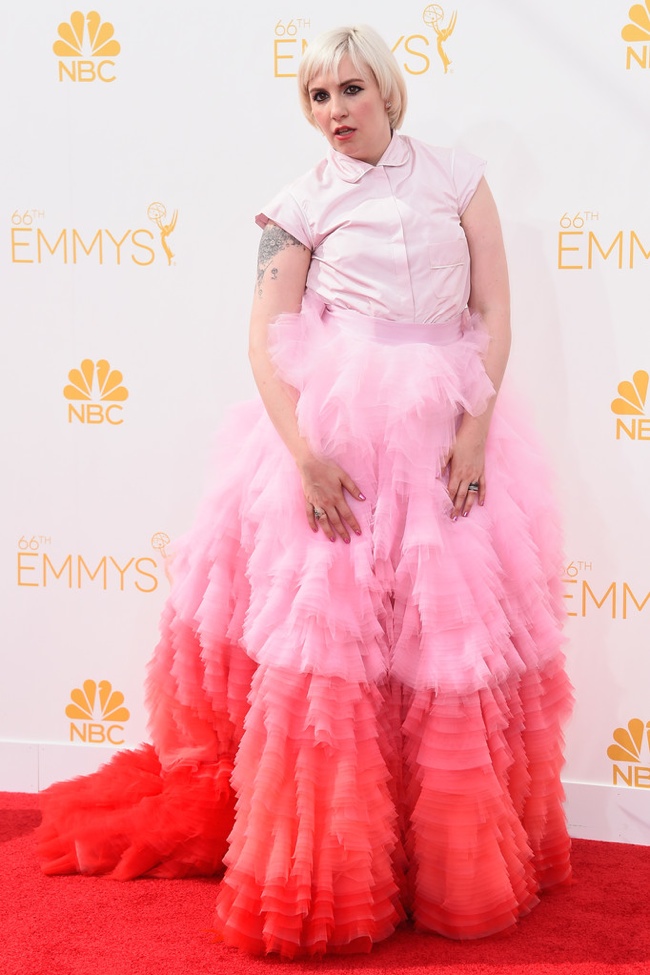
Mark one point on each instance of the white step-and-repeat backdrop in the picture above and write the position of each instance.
(139, 139)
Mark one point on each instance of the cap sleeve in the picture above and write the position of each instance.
(466, 171)
(285, 210)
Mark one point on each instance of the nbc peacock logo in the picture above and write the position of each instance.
(637, 34)
(629, 407)
(100, 712)
(94, 393)
(85, 48)
(628, 750)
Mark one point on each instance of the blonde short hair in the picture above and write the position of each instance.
(366, 49)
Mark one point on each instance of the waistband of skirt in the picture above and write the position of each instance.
(396, 333)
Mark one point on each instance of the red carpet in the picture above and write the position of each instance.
(83, 926)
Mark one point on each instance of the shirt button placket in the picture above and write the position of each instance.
(402, 275)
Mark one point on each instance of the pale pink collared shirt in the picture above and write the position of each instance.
(386, 240)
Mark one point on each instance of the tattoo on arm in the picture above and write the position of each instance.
(274, 239)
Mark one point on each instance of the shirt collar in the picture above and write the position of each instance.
(351, 170)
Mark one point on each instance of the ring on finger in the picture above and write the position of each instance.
(318, 513)
(473, 487)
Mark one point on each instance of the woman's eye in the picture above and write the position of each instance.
(353, 89)
(319, 96)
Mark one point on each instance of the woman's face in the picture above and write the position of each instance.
(350, 112)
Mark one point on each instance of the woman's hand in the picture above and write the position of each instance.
(466, 462)
(324, 484)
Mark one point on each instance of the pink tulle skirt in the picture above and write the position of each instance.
(357, 733)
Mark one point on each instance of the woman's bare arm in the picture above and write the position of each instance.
(283, 263)
(490, 297)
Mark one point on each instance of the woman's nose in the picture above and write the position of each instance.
(337, 108)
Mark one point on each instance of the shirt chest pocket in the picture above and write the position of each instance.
(448, 260)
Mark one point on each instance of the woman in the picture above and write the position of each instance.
(386, 708)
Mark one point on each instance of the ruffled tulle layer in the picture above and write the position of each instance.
(392, 709)
(359, 805)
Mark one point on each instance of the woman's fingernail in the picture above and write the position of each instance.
(357, 531)
(362, 497)
(465, 514)
(455, 518)
(333, 538)
(347, 541)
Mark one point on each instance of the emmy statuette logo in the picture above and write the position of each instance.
(159, 542)
(433, 16)
(157, 213)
